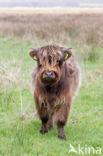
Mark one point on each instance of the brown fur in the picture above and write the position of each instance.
(55, 100)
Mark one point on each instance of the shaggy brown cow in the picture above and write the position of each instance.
(55, 81)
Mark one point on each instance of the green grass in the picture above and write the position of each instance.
(19, 127)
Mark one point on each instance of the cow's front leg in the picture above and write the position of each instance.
(50, 123)
(60, 127)
(44, 122)
(43, 114)
(44, 128)
(61, 119)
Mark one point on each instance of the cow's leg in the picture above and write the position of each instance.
(47, 124)
(61, 118)
(42, 110)
(50, 123)
(44, 117)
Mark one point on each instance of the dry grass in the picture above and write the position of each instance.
(60, 25)
(11, 74)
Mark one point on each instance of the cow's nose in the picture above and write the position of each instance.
(49, 74)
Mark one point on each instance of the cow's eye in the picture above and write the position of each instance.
(59, 62)
(50, 60)
(39, 64)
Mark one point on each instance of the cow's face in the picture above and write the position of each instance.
(50, 60)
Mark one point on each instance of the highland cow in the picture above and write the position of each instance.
(55, 81)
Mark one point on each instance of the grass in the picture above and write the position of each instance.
(19, 126)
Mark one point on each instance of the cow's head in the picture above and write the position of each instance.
(50, 60)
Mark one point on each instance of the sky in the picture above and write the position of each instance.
(50, 3)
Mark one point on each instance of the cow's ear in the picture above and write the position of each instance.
(67, 53)
(33, 54)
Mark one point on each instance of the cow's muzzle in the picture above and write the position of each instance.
(48, 77)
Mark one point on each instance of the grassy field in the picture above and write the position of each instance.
(19, 124)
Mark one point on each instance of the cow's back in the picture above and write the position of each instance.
(74, 76)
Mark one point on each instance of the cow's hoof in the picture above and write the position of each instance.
(63, 137)
(43, 130)
(50, 127)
